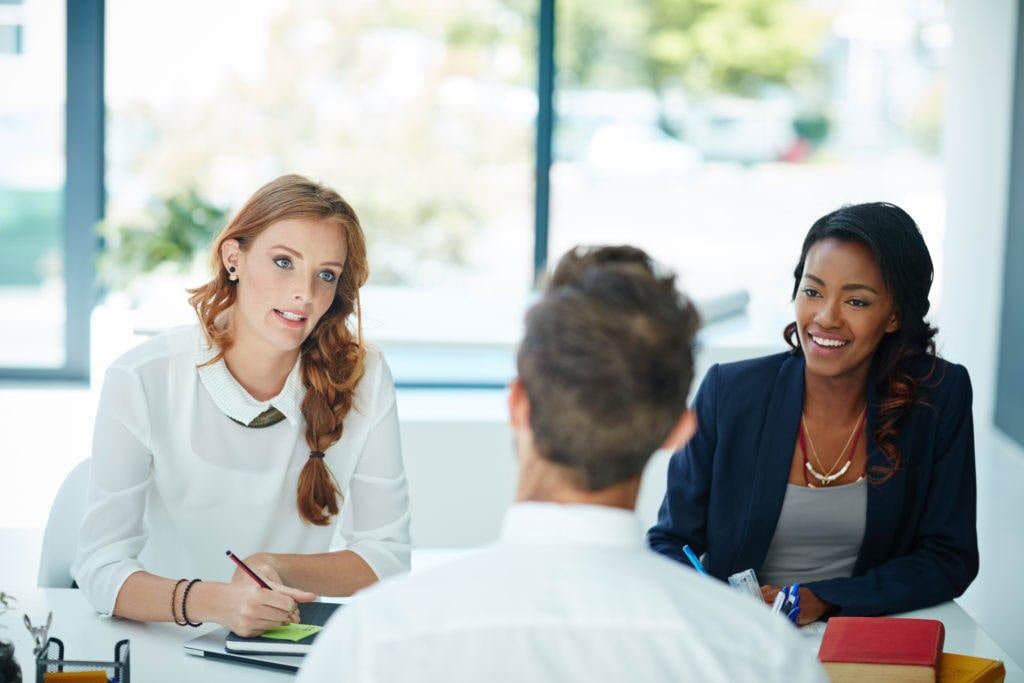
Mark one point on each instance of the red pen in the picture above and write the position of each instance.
(248, 571)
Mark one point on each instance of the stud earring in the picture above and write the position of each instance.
(232, 277)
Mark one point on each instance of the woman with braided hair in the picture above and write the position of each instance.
(845, 465)
(270, 428)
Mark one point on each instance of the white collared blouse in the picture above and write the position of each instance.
(175, 481)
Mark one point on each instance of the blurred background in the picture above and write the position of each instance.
(710, 133)
(478, 140)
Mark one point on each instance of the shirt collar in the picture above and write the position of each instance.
(532, 522)
(232, 398)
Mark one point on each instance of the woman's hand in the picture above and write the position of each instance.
(254, 609)
(249, 610)
(812, 607)
(263, 565)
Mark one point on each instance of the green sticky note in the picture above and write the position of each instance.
(294, 632)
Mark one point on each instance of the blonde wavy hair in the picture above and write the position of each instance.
(333, 356)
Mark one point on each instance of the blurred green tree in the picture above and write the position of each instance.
(706, 46)
(173, 232)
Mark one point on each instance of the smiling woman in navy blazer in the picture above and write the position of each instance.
(846, 464)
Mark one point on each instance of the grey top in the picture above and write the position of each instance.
(818, 535)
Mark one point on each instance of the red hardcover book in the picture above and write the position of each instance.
(881, 649)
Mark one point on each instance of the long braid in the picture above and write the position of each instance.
(333, 362)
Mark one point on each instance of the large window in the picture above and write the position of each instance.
(32, 283)
(420, 113)
(715, 133)
(710, 132)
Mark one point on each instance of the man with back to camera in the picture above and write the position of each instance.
(570, 592)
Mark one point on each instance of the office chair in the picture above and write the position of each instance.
(60, 539)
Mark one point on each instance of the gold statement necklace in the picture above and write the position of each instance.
(835, 471)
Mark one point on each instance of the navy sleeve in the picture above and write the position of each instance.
(944, 557)
(682, 518)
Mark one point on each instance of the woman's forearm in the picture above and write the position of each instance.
(339, 573)
(148, 597)
(242, 606)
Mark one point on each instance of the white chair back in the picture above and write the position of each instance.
(60, 541)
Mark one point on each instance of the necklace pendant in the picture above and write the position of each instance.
(827, 479)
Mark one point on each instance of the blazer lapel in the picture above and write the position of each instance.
(771, 467)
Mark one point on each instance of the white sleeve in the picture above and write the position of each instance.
(339, 652)
(375, 523)
(113, 531)
(800, 663)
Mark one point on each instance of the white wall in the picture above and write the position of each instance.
(459, 456)
(977, 149)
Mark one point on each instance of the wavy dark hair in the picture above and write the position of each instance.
(906, 266)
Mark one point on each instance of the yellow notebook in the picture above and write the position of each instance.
(963, 669)
(98, 676)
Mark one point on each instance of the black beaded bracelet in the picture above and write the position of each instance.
(184, 599)
(174, 592)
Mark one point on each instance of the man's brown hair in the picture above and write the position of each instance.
(606, 362)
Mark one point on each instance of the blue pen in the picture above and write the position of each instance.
(794, 605)
(694, 561)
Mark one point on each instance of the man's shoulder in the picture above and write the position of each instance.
(595, 603)
(512, 583)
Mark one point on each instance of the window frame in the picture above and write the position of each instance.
(1009, 401)
(83, 196)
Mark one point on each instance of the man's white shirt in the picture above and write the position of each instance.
(569, 593)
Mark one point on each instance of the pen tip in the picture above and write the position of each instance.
(228, 553)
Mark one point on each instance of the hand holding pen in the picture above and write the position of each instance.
(811, 607)
(787, 602)
(245, 568)
(268, 603)
(694, 560)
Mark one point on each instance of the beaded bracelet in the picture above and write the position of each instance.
(174, 591)
(184, 599)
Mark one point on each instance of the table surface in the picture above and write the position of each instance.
(157, 654)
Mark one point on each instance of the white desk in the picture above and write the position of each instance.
(157, 655)
(156, 649)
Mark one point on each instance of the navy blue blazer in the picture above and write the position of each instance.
(725, 488)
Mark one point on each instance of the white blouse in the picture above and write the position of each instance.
(175, 481)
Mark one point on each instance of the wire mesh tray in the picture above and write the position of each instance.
(51, 660)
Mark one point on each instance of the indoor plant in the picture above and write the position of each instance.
(10, 672)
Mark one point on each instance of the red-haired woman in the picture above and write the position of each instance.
(847, 464)
(267, 429)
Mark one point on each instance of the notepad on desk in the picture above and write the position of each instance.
(292, 639)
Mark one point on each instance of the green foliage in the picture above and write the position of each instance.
(602, 44)
(813, 127)
(708, 46)
(174, 231)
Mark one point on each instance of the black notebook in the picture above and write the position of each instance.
(310, 613)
